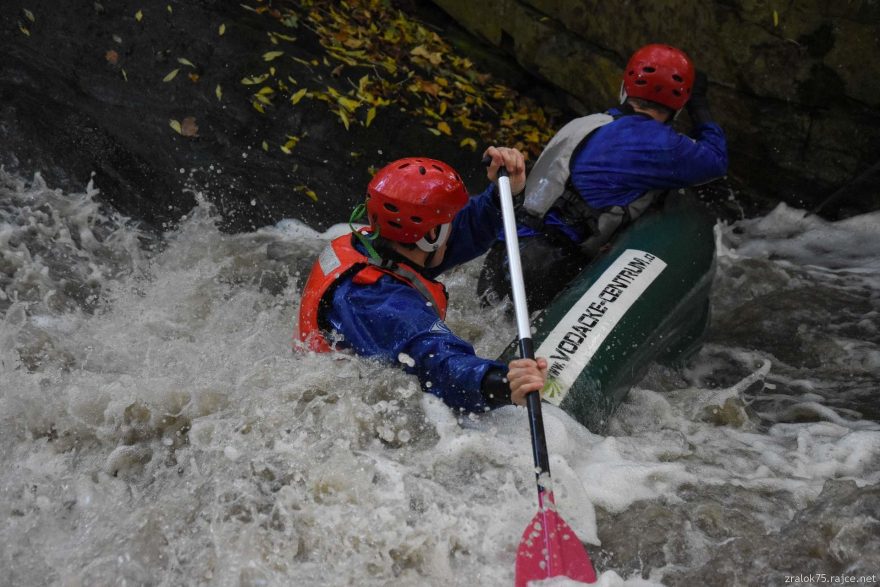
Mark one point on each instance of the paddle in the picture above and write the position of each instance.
(549, 548)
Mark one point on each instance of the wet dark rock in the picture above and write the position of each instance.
(82, 95)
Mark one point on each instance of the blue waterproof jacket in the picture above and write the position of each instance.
(389, 320)
(634, 154)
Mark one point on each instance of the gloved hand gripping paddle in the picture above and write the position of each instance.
(549, 547)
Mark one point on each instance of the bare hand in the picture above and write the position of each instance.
(515, 163)
(525, 376)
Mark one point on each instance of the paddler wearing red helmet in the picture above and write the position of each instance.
(602, 171)
(374, 291)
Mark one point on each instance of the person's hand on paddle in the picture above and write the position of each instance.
(525, 376)
(510, 158)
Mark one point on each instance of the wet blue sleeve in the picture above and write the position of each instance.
(392, 322)
(633, 155)
(711, 138)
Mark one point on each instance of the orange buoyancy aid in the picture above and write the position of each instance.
(340, 259)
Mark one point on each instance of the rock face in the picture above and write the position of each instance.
(277, 109)
(268, 110)
(794, 84)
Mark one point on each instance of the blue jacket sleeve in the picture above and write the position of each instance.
(635, 154)
(390, 321)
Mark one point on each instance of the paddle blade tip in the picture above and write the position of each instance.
(550, 548)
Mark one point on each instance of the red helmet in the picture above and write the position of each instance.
(409, 197)
(661, 74)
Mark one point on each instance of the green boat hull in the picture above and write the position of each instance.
(644, 300)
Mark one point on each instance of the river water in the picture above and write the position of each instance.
(156, 428)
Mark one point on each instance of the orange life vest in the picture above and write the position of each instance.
(339, 259)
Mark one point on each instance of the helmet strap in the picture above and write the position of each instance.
(431, 247)
(365, 239)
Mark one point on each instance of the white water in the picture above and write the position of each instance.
(158, 430)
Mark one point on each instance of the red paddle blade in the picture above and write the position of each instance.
(549, 548)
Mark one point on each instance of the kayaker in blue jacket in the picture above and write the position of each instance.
(600, 172)
(374, 291)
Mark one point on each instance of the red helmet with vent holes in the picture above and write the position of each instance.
(409, 197)
(659, 73)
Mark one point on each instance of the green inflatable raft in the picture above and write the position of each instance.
(645, 299)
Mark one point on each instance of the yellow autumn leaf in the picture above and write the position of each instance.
(124, 75)
(349, 104)
(253, 80)
(362, 83)
(371, 114)
(28, 14)
(175, 125)
(266, 90)
(343, 118)
(23, 29)
(287, 147)
(221, 30)
(469, 143)
(218, 91)
(422, 51)
(434, 131)
(444, 128)
(171, 75)
(298, 96)
(185, 61)
(170, 10)
(139, 15)
(262, 98)
(307, 191)
(265, 146)
(258, 107)
(282, 37)
(270, 55)
(775, 19)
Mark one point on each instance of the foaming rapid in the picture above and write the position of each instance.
(157, 429)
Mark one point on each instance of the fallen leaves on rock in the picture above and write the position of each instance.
(399, 62)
